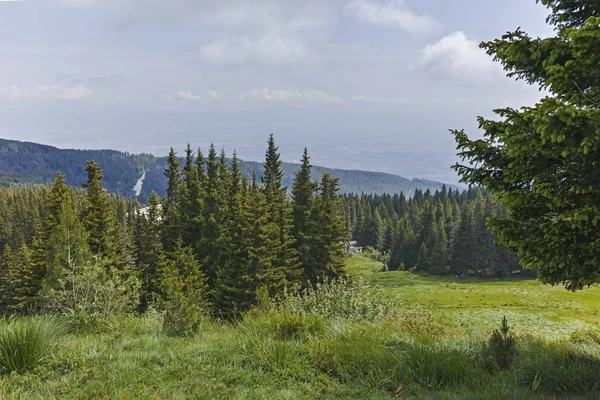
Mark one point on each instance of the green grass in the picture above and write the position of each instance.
(429, 347)
(26, 342)
(474, 304)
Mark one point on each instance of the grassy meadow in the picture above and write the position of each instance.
(399, 335)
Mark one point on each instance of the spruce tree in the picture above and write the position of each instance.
(305, 217)
(233, 289)
(99, 216)
(172, 211)
(149, 248)
(286, 263)
(183, 289)
(330, 257)
(22, 280)
(211, 216)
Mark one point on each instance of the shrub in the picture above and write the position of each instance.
(25, 343)
(337, 298)
(93, 294)
(501, 349)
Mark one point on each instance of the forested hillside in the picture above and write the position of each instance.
(23, 162)
(440, 233)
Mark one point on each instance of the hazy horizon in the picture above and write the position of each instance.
(364, 84)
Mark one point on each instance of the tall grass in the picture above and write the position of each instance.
(26, 342)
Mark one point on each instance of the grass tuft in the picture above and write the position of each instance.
(26, 342)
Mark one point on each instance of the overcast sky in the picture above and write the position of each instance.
(344, 77)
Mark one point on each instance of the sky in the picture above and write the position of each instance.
(364, 84)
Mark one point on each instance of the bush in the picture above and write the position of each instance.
(93, 295)
(501, 350)
(337, 298)
(25, 343)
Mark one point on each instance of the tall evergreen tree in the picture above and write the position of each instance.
(280, 214)
(304, 216)
(330, 257)
(183, 289)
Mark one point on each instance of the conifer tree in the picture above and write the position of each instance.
(286, 261)
(304, 217)
(99, 216)
(263, 236)
(191, 202)
(233, 289)
(211, 215)
(7, 261)
(183, 288)
(330, 257)
(172, 212)
(149, 248)
(21, 280)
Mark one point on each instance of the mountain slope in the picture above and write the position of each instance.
(25, 162)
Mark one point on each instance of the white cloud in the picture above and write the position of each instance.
(271, 95)
(457, 56)
(188, 95)
(46, 92)
(273, 50)
(316, 95)
(392, 14)
(393, 100)
(289, 95)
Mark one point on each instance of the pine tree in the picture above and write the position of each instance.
(21, 280)
(211, 217)
(7, 261)
(330, 260)
(263, 237)
(183, 288)
(305, 217)
(280, 214)
(171, 210)
(99, 216)
(149, 248)
(233, 286)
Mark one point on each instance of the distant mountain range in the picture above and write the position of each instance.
(25, 162)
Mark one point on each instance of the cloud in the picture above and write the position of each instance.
(46, 92)
(394, 100)
(392, 14)
(188, 95)
(273, 50)
(266, 94)
(457, 56)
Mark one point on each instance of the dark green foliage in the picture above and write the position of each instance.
(100, 219)
(182, 288)
(304, 216)
(213, 244)
(285, 269)
(329, 258)
(440, 233)
(541, 162)
(501, 350)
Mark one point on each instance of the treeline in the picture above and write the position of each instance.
(23, 162)
(217, 243)
(440, 233)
